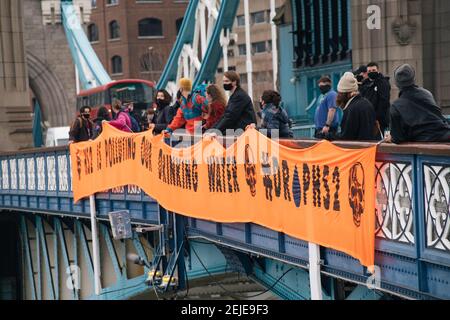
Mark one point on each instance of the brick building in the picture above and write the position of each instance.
(134, 38)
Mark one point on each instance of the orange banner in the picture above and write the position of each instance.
(323, 194)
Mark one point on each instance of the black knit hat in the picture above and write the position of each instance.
(405, 76)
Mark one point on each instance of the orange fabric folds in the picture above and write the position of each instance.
(323, 194)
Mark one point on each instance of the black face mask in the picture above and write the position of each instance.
(359, 78)
(325, 89)
(86, 115)
(161, 103)
(374, 75)
(228, 86)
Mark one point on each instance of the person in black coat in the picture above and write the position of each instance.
(82, 128)
(415, 115)
(164, 113)
(358, 121)
(377, 90)
(239, 112)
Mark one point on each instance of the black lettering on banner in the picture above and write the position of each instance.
(183, 175)
(234, 173)
(250, 170)
(211, 173)
(177, 172)
(306, 182)
(224, 180)
(195, 175)
(296, 188)
(287, 193)
(88, 161)
(172, 171)
(146, 153)
(230, 186)
(336, 181)
(317, 201)
(326, 198)
(267, 181)
(77, 155)
(167, 165)
(99, 156)
(218, 178)
(160, 164)
(277, 177)
(188, 174)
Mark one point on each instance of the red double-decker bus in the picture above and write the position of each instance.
(139, 92)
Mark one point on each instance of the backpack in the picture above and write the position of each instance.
(134, 124)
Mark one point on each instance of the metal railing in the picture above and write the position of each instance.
(412, 214)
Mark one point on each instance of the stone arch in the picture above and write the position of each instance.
(49, 91)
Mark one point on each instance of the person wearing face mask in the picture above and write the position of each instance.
(163, 114)
(82, 128)
(326, 118)
(239, 112)
(358, 121)
(362, 77)
(378, 92)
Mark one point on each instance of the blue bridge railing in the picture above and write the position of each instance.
(412, 215)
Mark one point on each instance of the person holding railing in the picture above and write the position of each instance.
(190, 112)
(239, 112)
(121, 118)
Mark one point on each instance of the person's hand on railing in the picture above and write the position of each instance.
(388, 138)
(151, 126)
(250, 126)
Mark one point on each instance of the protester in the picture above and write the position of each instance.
(378, 92)
(274, 116)
(215, 108)
(163, 113)
(190, 112)
(103, 114)
(239, 112)
(121, 118)
(134, 118)
(362, 77)
(326, 119)
(82, 129)
(358, 122)
(415, 115)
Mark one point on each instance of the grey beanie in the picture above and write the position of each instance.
(405, 76)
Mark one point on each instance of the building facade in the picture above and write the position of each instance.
(319, 37)
(134, 38)
(261, 47)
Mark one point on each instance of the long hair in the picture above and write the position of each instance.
(217, 96)
(167, 97)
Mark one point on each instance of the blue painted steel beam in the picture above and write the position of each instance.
(213, 54)
(186, 35)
